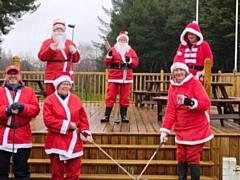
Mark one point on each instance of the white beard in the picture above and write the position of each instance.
(60, 38)
(122, 48)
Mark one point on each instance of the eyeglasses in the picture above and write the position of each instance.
(66, 84)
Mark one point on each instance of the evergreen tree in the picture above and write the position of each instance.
(12, 11)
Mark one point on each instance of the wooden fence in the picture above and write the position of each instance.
(91, 86)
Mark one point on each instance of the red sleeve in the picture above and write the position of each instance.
(135, 59)
(170, 113)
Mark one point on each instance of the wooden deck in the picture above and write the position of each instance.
(142, 120)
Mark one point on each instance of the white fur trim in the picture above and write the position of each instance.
(179, 65)
(123, 35)
(59, 26)
(64, 127)
(191, 31)
(195, 104)
(165, 130)
(57, 81)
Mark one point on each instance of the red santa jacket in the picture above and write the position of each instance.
(23, 134)
(196, 55)
(121, 75)
(46, 54)
(57, 115)
(190, 124)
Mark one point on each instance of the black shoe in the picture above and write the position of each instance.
(125, 119)
(105, 119)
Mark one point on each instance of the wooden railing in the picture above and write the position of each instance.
(91, 86)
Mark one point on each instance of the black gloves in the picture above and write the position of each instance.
(188, 101)
(18, 106)
(8, 111)
(127, 59)
(110, 53)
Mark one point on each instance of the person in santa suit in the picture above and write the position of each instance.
(187, 112)
(68, 126)
(122, 59)
(19, 105)
(59, 53)
(194, 49)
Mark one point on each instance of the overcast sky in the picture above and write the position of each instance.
(29, 33)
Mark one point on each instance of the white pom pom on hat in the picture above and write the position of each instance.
(61, 77)
(123, 34)
(59, 23)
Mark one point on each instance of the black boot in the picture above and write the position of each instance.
(107, 114)
(195, 171)
(182, 170)
(123, 112)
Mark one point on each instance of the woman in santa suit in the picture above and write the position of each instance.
(194, 49)
(59, 53)
(187, 111)
(65, 117)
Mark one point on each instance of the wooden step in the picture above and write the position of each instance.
(121, 146)
(40, 176)
(121, 161)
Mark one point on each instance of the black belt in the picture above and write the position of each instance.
(14, 126)
(120, 66)
(51, 60)
(195, 67)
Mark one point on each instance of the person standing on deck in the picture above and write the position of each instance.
(59, 52)
(194, 49)
(187, 112)
(18, 105)
(65, 119)
(122, 59)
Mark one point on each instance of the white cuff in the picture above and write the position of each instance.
(195, 104)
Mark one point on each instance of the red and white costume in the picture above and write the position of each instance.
(190, 124)
(61, 143)
(195, 55)
(122, 78)
(23, 134)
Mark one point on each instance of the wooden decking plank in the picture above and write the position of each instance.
(137, 122)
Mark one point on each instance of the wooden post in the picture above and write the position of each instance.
(234, 81)
(162, 78)
(207, 76)
(16, 61)
(106, 82)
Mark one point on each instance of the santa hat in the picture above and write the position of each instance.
(58, 23)
(12, 67)
(123, 34)
(194, 28)
(61, 77)
(178, 62)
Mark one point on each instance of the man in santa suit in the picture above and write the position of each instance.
(122, 59)
(194, 49)
(187, 112)
(19, 105)
(59, 52)
(66, 121)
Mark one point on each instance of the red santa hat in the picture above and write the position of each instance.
(178, 62)
(58, 23)
(12, 68)
(194, 28)
(61, 77)
(123, 34)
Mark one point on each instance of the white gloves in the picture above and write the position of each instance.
(72, 49)
(163, 137)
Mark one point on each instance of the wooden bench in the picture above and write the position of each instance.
(222, 115)
(145, 97)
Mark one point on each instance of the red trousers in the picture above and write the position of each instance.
(73, 168)
(124, 94)
(189, 153)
